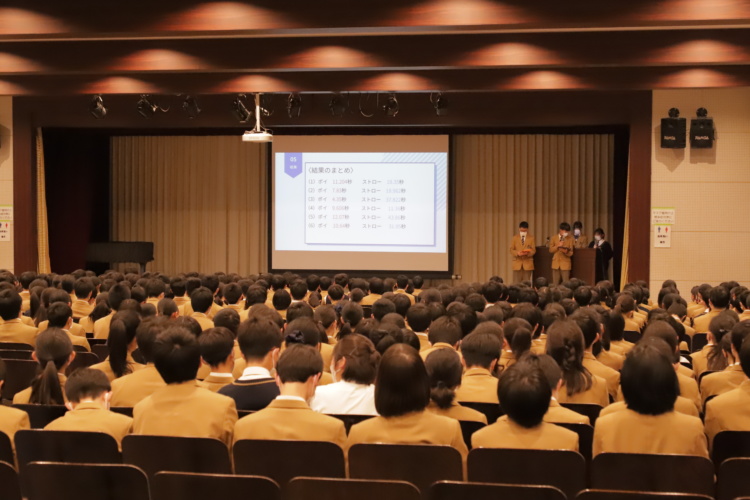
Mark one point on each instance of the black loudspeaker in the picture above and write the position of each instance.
(702, 133)
(673, 132)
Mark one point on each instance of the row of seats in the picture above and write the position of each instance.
(421, 465)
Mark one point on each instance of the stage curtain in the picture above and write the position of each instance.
(42, 227)
(501, 180)
(201, 200)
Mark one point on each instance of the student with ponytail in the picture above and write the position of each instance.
(711, 356)
(444, 369)
(351, 316)
(121, 343)
(54, 353)
(517, 341)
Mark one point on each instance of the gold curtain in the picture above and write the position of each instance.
(42, 229)
(501, 180)
(201, 200)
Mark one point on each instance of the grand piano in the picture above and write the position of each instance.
(111, 252)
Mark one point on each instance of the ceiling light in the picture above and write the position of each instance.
(97, 107)
(294, 105)
(148, 109)
(338, 105)
(240, 109)
(440, 103)
(390, 108)
(190, 107)
(258, 133)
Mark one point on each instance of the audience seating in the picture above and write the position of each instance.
(18, 376)
(15, 346)
(636, 495)
(41, 415)
(63, 481)
(189, 486)
(452, 490)
(305, 488)
(562, 469)
(154, 454)
(420, 465)
(590, 410)
(82, 360)
(699, 342)
(92, 341)
(657, 473)
(350, 420)
(285, 460)
(18, 354)
(733, 479)
(491, 410)
(79, 349)
(244, 413)
(11, 488)
(6, 449)
(101, 350)
(730, 444)
(468, 428)
(585, 438)
(123, 410)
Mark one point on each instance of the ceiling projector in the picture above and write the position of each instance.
(258, 133)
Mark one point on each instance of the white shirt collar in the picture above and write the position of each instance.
(291, 398)
(255, 372)
(221, 375)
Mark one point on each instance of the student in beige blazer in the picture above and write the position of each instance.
(522, 250)
(481, 351)
(733, 375)
(444, 368)
(556, 414)
(561, 248)
(12, 328)
(289, 416)
(181, 408)
(649, 424)
(443, 333)
(588, 321)
(730, 411)
(54, 353)
(11, 419)
(115, 297)
(402, 393)
(217, 351)
(718, 302)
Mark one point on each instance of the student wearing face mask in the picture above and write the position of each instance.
(604, 254)
(522, 250)
(581, 240)
(561, 247)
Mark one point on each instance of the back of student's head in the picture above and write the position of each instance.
(299, 310)
(177, 355)
(444, 370)
(401, 385)
(122, 331)
(58, 315)
(548, 365)
(351, 317)
(257, 337)
(381, 307)
(53, 351)
(587, 321)
(744, 353)
(615, 326)
(525, 393)
(517, 332)
(216, 344)
(145, 336)
(566, 346)
(86, 383)
(466, 316)
(402, 303)
(166, 307)
(302, 331)
(229, 319)
(740, 332)
(720, 325)
(582, 296)
(419, 317)
(298, 363)
(719, 297)
(361, 357)
(648, 379)
(281, 299)
(325, 315)
(83, 288)
(117, 294)
(445, 330)
(232, 293)
(201, 299)
(336, 292)
(480, 349)
(10, 304)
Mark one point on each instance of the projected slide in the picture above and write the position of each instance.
(351, 210)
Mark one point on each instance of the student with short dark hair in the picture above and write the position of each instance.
(85, 296)
(480, 351)
(12, 328)
(89, 393)
(328, 319)
(525, 396)
(167, 308)
(217, 351)
(443, 333)
(289, 416)
(11, 419)
(54, 353)
(201, 301)
(444, 368)
(60, 315)
(181, 408)
(381, 307)
(233, 295)
(418, 318)
(402, 393)
(649, 424)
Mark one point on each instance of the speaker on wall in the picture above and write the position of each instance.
(673, 130)
(702, 131)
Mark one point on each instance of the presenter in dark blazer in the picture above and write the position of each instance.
(603, 255)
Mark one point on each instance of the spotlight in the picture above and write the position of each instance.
(97, 107)
(673, 130)
(148, 109)
(190, 107)
(440, 103)
(294, 105)
(258, 133)
(702, 132)
(240, 109)
(338, 105)
(390, 108)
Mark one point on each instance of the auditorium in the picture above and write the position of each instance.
(414, 249)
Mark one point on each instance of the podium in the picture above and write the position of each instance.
(584, 264)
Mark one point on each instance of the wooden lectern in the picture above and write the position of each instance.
(584, 264)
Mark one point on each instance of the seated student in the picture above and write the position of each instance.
(217, 351)
(281, 301)
(353, 367)
(718, 302)
(88, 393)
(418, 318)
(556, 414)
(60, 316)
(730, 411)
(167, 308)
(402, 391)
(733, 375)
(12, 328)
(711, 357)
(209, 281)
(129, 389)
(115, 297)
(326, 316)
(122, 344)
(84, 302)
(589, 325)
(155, 289)
(298, 291)
(444, 333)
(517, 340)
(444, 368)
(178, 286)
(55, 297)
(101, 309)
(649, 424)
(11, 419)
(566, 346)
(402, 282)
(525, 396)
(480, 350)
(377, 289)
(304, 330)
(625, 306)
(54, 353)
(201, 301)
(615, 327)
(288, 416)
(260, 342)
(181, 408)
(350, 319)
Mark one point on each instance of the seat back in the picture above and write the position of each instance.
(733, 479)
(699, 342)
(306, 488)
(41, 415)
(704, 375)
(636, 495)
(452, 490)
(285, 460)
(730, 444)
(101, 350)
(585, 438)
(18, 376)
(63, 481)
(154, 454)
(419, 464)
(82, 360)
(468, 428)
(123, 410)
(350, 420)
(15, 354)
(565, 470)
(491, 410)
(590, 410)
(15, 346)
(6, 449)
(11, 489)
(657, 473)
(189, 486)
